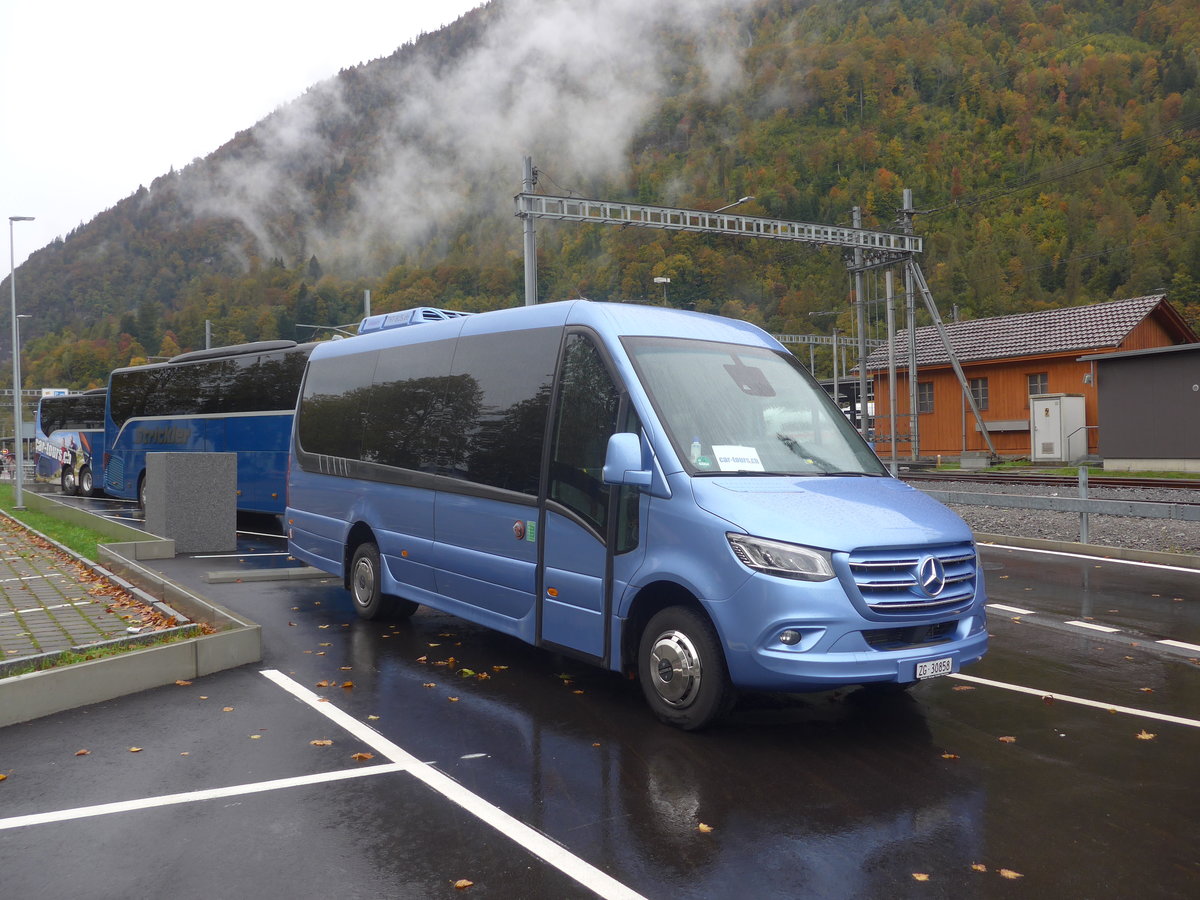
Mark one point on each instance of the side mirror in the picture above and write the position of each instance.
(623, 462)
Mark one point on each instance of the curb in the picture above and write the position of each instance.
(236, 641)
(1125, 554)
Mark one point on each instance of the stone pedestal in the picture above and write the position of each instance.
(191, 498)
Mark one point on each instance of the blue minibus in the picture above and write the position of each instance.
(69, 440)
(654, 491)
(238, 399)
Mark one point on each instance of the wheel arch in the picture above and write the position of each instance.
(650, 600)
(359, 534)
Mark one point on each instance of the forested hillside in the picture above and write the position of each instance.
(1053, 149)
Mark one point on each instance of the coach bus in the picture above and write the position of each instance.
(69, 441)
(237, 399)
(651, 490)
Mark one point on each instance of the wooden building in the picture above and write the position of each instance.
(1007, 359)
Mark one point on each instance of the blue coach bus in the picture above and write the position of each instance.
(69, 441)
(654, 491)
(238, 399)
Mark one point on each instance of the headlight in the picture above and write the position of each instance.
(784, 560)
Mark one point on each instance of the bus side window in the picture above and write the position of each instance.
(588, 409)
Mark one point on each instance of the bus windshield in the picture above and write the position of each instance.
(736, 409)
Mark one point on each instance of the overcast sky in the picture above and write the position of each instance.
(100, 96)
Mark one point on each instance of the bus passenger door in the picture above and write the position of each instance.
(586, 521)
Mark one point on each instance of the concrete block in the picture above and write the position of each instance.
(191, 498)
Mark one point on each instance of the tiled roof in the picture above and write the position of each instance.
(1070, 329)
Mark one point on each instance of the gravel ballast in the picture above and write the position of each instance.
(1162, 535)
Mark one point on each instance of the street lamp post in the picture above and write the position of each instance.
(19, 455)
(664, 281)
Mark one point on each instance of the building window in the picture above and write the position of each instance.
(1039, 383)
(924, 396)
(979, 392)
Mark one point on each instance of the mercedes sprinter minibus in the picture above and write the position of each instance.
(655, 491)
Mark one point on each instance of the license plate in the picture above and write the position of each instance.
(935, 667)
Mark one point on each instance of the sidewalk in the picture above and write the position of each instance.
(49, 602)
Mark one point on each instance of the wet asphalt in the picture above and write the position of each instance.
(965, 787)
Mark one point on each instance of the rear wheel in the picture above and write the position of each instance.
(366, 587)
(682, 669)
(86, 487)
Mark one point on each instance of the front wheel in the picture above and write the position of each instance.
(366, 587)
(682, 669)
(69, 486)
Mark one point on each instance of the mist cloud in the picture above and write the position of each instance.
(567, 81)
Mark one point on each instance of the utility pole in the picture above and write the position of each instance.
(861, 318)
(531, 292)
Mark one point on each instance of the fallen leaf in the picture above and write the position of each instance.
(452, 699)
(255, 737)
(372, 718)
(322, 626)
(429, 684)
(466, 673)
(1048, 699)
(182, 683)
(322, 683)
(422, 659)
(362, 757)
(1146, 690)
(1007, 739)
(3, 777)
(228, 709)
(204, 696)
(347, 685)
(323, 742)
(462, 884)
(962, 687)
(346, 668)
(1010, 874)
(704, 829)
(576, 692)
(185, 753)
(920, 876)
(483, 676)
(979, 867)
(499, 668)
(1144, 735)
(83, 752)
(949, 756)
(135, 749)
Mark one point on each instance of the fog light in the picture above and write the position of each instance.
(789, 637)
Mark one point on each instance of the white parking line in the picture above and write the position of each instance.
(1092, 626)
(533, 841)
(1012, 609)
(236, 790)
(1181, 645)
(1095, 704)
(37, 609)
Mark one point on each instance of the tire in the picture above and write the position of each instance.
(366, 588)
(69, 486)
(682, 669)
(141, 495)
(86, 487)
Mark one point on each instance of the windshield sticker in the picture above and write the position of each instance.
(731, 458)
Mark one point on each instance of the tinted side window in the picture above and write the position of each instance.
(333, 409)
(129, 391)
(412, 402)
(587, 415)
(500, 444)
